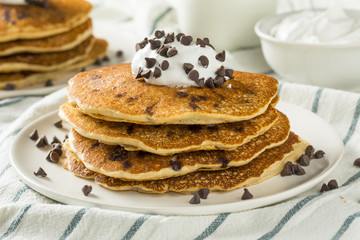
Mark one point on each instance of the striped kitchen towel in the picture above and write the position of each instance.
(26, 214)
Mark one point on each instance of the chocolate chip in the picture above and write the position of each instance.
(150, 62)
(194, 99)
(49, 83)
(195, 199)
(193, 75)
(229, 73)
(332, 184)
(159, 34)
(220, 72)
(193, 106)
(141, 44)
(130, 99)
(175, 165)
(157, 72)
(287, 170)
(83, 69)
(186, 40)
(163, 51)
(138, 73)
(40, 173)
(97, 62)
(53, 157)
(210, 82)
(324, 188)
(105, 59)
(58, 151)
(299, 170)
(6, 16)
(119, 95)
(219, 81)
(164, 65)
(194, 128)
(224, 161)
(58, 124)
(34, 135)
(169, 38)
(188, 67)
(94, 145)
(55, 140)
(220, 56)
(357, 162)
(206, 40)
(130, 129)
(179, 35)
(202, 98)
(86, 190)
(146, 74)
(182, 94)
(119, 53)
(149, 110)
(41, 3)
(42, 142)
(154, 44)
(247, 195)
(118, 154)
(200, 82)
(203, 61)
(9, 86)
(319, 154)
(309, 151)
(56, 146)
(203, 193)
(303, 160)
(172, 52)
(200, 42)
(127, 165)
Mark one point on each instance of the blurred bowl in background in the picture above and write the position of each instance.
(229, 24)
(323, 64)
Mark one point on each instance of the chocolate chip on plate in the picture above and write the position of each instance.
(357, 162)
(176, 165)
(287, 170)
(86, 190)
(55, 140)
(49, 83)
(40, 173)
(53, 157)
(34, 135)
(58, 124)
(332, 184)
(319, 154)
(58, 151)
(324, 188)
(195, 199)
(9, 86)
(247, 195)
(42, 142)
(203, 193)
(119, 54)
(299, 170)
(309, 151)
(303, 160)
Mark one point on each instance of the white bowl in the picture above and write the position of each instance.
(326, 65)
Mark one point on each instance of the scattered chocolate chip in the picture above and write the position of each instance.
(319, 154)
(357, 162)
(105, 59)
(324, 188)
(193, 75)
(195, 199)
(175, 165)
(210, 82)
(58, 151)
(41, 3)
(287, 170)
(58, 124)
(188, 67)
(127, 165)
(119, 95)
(179, 35)
(247, 195)
(200, 42)
(118, 154)
(157, 72)
(186, 40)
(10, 86)
(163, 51)
(194, 128)
(42, 142)
(164, 65)
(97, 62)
(6, 16)
(150, 62)
(154, 44)
(172, 52)
(332, 184)
(40, 173)
(193, 106)
(182, 94)
(200, 82)
(299, 170)
(119, 53)
(94, 145)
(220, 56)
(309, 151)
(55, 140)
(138, 73)
(86, 190)
(53, 157)
(229, 73)
(169, 38)
(219, 81)
(159, 34)
(146, 74)
(203, 193)
(224, 161)
(34, 135)
(49, 83)
(203, 61)
(56, 146)
(303, 160)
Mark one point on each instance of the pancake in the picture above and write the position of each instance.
(31, 21)
(46, 61)
(168, 139)
(24, 79)
(60, 42)
(265, 166)
(113, 94)
(115, 161)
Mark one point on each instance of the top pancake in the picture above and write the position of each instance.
(112, 93)
(32, 21)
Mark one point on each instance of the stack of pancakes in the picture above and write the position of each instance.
(130, 135)
(41, 42)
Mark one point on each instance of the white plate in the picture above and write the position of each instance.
(64, 187)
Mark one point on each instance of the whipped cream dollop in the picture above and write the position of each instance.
(178, 61)
(333, 25)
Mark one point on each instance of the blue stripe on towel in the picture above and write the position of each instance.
(9, 135)
(74, 222)
(16, 221)
(352, 179)
(159, 18)
(345, 226)
(353, 123)
(213, 226)
(316, 100)
(135, 227)
(19, 193)
(5, 169)
(11, 101)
